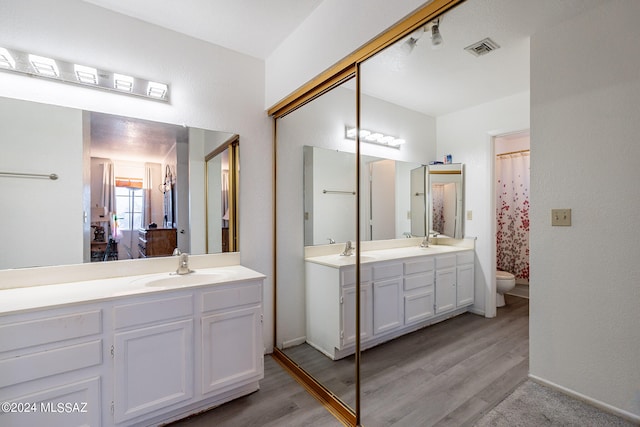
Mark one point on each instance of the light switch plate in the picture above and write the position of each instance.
(469, 215)
(561, 217)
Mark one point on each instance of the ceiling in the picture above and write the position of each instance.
(252, 27)
(440, 81)
(434, 82)
(117, 137)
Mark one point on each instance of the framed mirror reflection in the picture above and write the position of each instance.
(126, 188)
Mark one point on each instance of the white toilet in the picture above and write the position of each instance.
(504, 283)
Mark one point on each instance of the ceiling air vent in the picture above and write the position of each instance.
(482, 47)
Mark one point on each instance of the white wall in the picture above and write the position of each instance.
(211, 88)
(334, 30)
(27, 204)
(467, 136)
(585, 292)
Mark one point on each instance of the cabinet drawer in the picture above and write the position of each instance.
(349, 276)
(52, 329)
(418, 281)
(465, 257)
(42, 364)
(152, 311)
(386, 271)
(232, 297)
(445, 261)
(418, 266)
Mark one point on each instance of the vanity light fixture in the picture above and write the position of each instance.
(86, 74)
(45, 66)
(156, 90)
(122, 82)
(6, 60)
(374, 137)
(16, 61)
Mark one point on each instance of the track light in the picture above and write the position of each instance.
(410, 43)
(436, 37)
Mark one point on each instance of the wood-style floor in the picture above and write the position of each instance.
(449, 374)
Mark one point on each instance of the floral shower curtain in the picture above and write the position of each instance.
(437, 198)
(512, 214)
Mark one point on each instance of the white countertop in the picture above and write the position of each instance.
(50, 296)
(337, 261)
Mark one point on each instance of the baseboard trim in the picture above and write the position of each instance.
(294, 342)
(477, 311)
(591, 401)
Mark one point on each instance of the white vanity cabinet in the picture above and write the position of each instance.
(231, 337)
(454, 281)
(445, 283)
(138, 356)
(48, 359)
(153, 355)
(418, 289)
(348, 306)
(465, 290)
(397, 296)
(388, 301)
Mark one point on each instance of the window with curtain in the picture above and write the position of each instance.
(129, 203)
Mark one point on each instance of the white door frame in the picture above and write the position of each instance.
(490, 299)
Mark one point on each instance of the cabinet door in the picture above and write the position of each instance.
(348, 308)
(231, 348)
(153, 368)
(464, 285)
(445, 290)
(418, 306)
(388, 306)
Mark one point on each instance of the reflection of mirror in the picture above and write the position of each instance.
(329, 196)
(222, 172)
(446, 184)
(58, 214)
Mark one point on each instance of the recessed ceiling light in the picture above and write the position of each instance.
(6, 60)
(86, 74)
(45, 66)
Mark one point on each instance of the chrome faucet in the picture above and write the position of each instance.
(425, 241)
(407, 235)
(331, 241)
(348, 249)
(183, 262)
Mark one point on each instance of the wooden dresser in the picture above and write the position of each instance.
(156, 241)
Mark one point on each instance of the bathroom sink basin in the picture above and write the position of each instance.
(191, 279)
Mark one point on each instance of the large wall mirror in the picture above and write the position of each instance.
(119, 180)
(321, 201)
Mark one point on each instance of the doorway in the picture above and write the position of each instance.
(511, 206)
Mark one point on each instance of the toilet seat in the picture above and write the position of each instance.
(504, 275)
